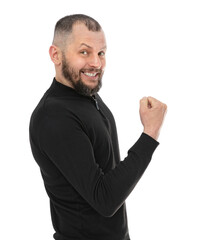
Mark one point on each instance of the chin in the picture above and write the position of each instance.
(91, 84)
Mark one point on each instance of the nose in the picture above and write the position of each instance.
(95, 61)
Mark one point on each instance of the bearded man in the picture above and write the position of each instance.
(74, 139)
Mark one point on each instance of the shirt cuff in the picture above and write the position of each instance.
(145, 146)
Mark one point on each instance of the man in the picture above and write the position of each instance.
(74, 140)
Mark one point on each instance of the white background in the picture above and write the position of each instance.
(152, 50)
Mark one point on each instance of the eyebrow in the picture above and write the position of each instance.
(84, 44)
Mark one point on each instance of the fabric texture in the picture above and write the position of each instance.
(74, 141)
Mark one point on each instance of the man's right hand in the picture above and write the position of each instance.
(152, 113)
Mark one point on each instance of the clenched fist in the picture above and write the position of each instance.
(152, 113)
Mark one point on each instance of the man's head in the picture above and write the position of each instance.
(78, 52)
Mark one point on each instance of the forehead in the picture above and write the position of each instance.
(81, 34)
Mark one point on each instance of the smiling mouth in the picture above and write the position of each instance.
(91, 74)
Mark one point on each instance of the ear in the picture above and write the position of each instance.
(55, 54)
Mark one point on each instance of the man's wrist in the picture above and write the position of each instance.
(152, 133)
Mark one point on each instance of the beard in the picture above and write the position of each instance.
(73, 76)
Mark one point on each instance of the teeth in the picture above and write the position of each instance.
(90, 74)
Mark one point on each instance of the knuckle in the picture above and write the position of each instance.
(164, 106)
(142, 99)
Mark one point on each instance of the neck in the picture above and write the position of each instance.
(64, 81)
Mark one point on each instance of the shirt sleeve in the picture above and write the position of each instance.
(67, 145)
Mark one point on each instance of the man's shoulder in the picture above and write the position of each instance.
(49, 105)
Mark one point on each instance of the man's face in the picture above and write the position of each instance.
(83, 61)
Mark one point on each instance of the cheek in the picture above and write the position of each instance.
(75, 61)
(103, 63)
(78, 63)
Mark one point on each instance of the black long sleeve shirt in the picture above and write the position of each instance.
(74, 141)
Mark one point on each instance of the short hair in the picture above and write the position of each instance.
(64, 26)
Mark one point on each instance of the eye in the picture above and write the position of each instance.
(84, 52)
(101, 53)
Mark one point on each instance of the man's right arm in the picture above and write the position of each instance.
(66, 144)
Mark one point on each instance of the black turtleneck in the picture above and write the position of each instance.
(74, 141)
